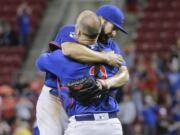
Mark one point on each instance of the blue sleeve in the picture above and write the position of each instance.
(57, 39)
(65, 34)
(68, 36)
(44, 63)
(40, 62)
(114, 46)
(59, 35)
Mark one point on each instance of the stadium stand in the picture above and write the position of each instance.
(11, 58)
(158, 26)
(9, 7)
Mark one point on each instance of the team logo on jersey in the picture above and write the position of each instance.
(72, 34)
(102, 71)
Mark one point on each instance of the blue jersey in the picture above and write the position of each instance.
(66, 34)
(63, 67)
(75, 71)
(50, 79)
(67, 70)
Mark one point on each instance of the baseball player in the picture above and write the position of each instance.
(57, 123)
(106, 104)
(46, 62)
(111, 18)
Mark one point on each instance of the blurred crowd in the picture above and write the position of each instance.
(20, 34)
(150, 103)
(17, 106)
(7, 35)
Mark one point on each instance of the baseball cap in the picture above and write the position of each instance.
(112, 14)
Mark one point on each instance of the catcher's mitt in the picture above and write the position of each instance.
(85, 90)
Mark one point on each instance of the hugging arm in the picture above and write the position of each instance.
(84, 54)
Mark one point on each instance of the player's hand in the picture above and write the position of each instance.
(113, 59)
(102, 84)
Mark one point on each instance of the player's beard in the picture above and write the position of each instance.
(103, 37)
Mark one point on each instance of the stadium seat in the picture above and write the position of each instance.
(11, 58)
(159, 25)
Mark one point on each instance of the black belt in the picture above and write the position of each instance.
(97, 116)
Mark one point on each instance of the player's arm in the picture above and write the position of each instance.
(83, 54)
(122, 75)
(44, 63)
(72, 49)
(40, 62)
(118, 80)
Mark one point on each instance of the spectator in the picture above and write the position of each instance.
(176, 107)
(138, 129)
(127, 114)
(23, 18)
(136, 93)
(23, 128)
(131, 6)
(24, 108)
(7, 35)
(149, 116)
(163, 121)
(5, 129)
(10, 37)
(174, 75)
(130, 55)
(8, 103)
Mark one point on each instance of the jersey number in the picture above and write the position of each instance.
(102, 71)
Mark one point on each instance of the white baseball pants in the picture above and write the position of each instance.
(50, 115)
(96, 127)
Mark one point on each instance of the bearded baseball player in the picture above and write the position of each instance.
(57, 123)
(87, 55)
(112, 19)
(87, 95)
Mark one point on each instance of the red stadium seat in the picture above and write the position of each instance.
(158, 26)
(11, 58)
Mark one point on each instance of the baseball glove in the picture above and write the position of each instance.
(85, 90)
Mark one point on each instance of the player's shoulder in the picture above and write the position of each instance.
(55, 55)
(56, 52)
(111, 42)
(114, 45)
(67, 28)
(67, 33)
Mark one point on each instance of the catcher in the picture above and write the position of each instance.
(98, 100)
